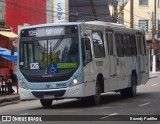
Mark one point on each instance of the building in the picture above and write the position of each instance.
(19, 12)
(89, 10)
(6, 39)
(145, 15)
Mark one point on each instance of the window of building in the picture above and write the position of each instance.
(143, 25)
(143, 2)
(98, 44)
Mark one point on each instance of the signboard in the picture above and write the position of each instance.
(42, 32)
(143, 25)
(60, 10)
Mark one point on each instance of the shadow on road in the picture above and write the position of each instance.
(106, 100)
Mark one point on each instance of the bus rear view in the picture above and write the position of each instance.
(49, 61)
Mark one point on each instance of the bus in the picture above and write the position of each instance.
(80, 60)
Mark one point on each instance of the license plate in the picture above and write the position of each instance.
(48, 96)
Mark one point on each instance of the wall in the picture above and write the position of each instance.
(5, 65)
(142, 13)
(19, 12)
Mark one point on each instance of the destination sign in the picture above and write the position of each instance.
(42, 32)
(55, 31)
(49, 31)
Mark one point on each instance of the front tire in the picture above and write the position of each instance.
(46, 103)
(96, 99)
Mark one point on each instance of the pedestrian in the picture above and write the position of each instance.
(11, 81)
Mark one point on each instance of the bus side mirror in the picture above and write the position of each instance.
(12, 50)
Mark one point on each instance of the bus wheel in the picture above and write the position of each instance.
(133, 89)
(97, 97)
(46, 102)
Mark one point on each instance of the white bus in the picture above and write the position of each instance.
(80, 60)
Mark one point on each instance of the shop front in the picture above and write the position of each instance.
(7, 37)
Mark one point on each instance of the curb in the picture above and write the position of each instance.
(154, 76)
(9, 100)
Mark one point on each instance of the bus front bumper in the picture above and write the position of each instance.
(69, 92)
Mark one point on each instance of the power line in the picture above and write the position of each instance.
(43, 10)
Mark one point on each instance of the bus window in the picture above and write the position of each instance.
(125, 45)
(145, 52)
(133, 45)
(139, 43)
(129, 53)
(119, 45)
(86, 50)
(98, 44)
(109, 39)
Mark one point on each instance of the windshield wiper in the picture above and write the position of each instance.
(57, 44)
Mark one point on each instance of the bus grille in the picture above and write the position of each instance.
(55, 93)
(48, 79)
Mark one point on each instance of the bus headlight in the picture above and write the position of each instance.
(75, 82)
(22, 84)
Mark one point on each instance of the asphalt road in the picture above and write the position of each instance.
(112, 108)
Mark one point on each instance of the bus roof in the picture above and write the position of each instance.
(106, 24)
(100, 23)
(52, 24)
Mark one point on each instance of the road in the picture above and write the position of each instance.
(113, 105)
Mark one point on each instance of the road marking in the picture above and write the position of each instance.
(153, 85)
(144, 104)
(25, 114)
(109, 115)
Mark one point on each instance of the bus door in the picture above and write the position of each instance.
(141, 54)
(145, 60)
(112, 60)
(120, 60)
(142, 60)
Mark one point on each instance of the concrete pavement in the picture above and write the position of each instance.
(9, 98)
(15, 98)
(154, 74)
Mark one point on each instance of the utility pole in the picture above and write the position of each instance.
(153, 42)
(131, 14)
(153, 37)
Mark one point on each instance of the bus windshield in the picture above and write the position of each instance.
(49, 55)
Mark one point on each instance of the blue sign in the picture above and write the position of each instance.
(52, 68)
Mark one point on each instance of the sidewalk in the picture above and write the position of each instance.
(154, 74)
(9, 99)
(15, 98)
